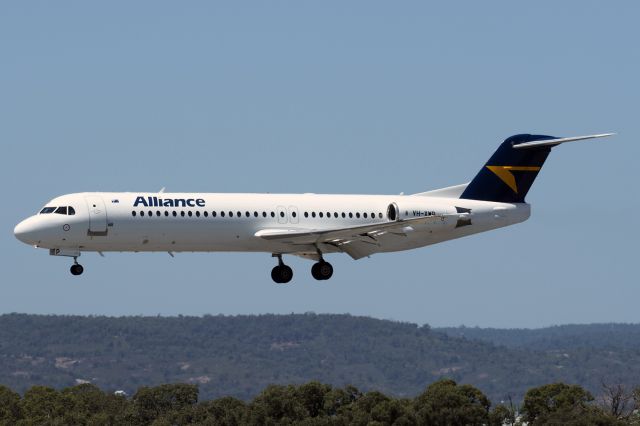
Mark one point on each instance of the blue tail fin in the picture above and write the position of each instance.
(510, 172)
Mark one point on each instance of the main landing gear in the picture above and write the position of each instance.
(322, 270)
(76, 268)
(282, 273)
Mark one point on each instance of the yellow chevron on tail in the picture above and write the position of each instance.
(506, 175)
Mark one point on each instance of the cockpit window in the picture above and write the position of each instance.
(47, 210)
(61, 210)
(71, 211)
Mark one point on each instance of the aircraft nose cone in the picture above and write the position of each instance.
(26, 231)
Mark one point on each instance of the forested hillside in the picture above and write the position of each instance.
(240, 355)
(619, 336)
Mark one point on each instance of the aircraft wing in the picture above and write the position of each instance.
(356, 241)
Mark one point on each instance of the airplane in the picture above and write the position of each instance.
(305, 225)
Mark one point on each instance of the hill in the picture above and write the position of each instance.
(240, 355)
(597, 336)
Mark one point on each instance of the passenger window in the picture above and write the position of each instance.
(175, 213)
(293, 214)
(61, 210)
(197, 213)
(182, 213)
(239, 214)
(214, 214)
(358, 215)
(320, 214)
(364, 215)
(166, 213)
(71, 211)
(313, 214)
(255, 214)
(47, 210)
(350, 215)
(157, 212)
(133, 213)
(206, 214)
(247, 214)
(222, 213)
(190, 213)
(281, 214)
(306, 214)
(150, 213)
(230, 214)
(141, 212)
(273, 214)
(335, 214)
(264, 214)
(343, 215)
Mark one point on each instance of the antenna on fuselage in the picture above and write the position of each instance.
(161, 191)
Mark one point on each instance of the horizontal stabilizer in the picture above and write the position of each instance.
(448, 192)
(558, 141)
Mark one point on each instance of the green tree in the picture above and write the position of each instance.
(171, 402)
(10, 411)
(559, 403)
(502, 415)
(225, 411)
(447, 403)
(41, 405)
(336, 399)
(86, 403)
(311, 395)
(393, 411)
(544, 400)
(276, 404)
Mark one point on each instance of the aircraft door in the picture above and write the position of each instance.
(282, 214)
(293, 214)
(97, 215)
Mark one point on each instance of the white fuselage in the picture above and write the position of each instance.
(175, 222)
(306, 225)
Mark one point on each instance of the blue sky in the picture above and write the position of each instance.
(327, 97)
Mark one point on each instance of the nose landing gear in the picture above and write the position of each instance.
(76, 268)
(281, 273)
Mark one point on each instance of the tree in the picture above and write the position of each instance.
(42, 404)
(559, 403)
(10, 411)
(501, 415)
(393, 411)
(446, 403)
(337, 399)
(225, 411)
(87, 402)
(276, 404)
(311, 396)
(174, 402)
(618, 402)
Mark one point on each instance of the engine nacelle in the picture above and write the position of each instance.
(413, 209)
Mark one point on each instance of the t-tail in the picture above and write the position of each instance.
(512, 169)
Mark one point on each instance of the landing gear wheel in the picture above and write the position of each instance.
(322, 270)
(281, 274)
(76, 269)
